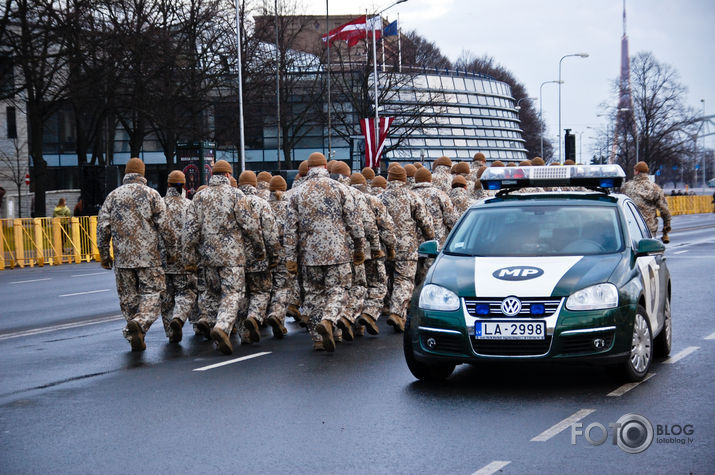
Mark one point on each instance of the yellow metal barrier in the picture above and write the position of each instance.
(689, 204)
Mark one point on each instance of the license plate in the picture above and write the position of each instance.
(509, 330)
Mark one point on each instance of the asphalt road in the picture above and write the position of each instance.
(73, 399)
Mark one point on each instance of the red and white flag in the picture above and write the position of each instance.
(373, 148)
(355, 30)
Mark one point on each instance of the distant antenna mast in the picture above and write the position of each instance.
(625, 114)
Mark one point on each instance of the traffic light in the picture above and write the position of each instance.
(570, 145)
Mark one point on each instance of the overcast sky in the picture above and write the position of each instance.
(528, 37)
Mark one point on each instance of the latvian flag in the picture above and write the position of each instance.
(356, 30)
(373, 152)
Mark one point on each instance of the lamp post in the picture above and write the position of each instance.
(518, 107)
(702, 156)
(242, 149)
(580, 55)
(541, 103)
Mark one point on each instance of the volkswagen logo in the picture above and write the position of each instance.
(510, 306)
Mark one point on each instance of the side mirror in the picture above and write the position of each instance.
(428, 249)
(647, 247)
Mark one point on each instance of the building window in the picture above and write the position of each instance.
(11, 123)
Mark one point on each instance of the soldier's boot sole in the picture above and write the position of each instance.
(204, 329)
(395, 321)
(221, 341)
(277, 327)
(347, 329)
(369, 323)
(135, 335)
(175, 330)
(325, 330)
(318, 346)
(254, 331)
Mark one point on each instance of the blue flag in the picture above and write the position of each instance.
(390, 30)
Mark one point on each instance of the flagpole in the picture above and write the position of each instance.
(242, 149)
(327, 35)
(399, 43)
(383, 51)
(278, 93)
(377, 114)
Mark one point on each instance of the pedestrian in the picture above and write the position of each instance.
(459, 195)
(322, 219)
(78, 208)
(441, 177)
(132, 217)
(61, 210)
(223, 229)
(179, 297)
(649, 198)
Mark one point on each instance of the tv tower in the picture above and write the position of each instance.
(625, 116)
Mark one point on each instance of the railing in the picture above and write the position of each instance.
(689, 204)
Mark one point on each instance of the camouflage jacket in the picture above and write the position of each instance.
(439, 206)
(263, 190)
(442, 179)
(269, 231)
(132, 216)
(385, 225)
(412, 222)
(372, 235)
(279, 204)
(460, 199)
(649, 197)
(175, 252)
(473, 174)
(321, 217)
(223, 226)
(299, 180)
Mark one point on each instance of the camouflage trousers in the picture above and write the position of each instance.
(295, 284)
(258, 296)
(206, 304)
(403, 283)
(178, 299)
(376, 287)
(139, 293)
(326, 289)
(423, 265)
(279, 293)
(356, 294)
(227, 287)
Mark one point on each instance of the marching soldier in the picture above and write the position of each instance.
(294, 280)
(462, 169)
(132, 216)
(649, 198)
(369, 174)
(281, 277)
(441, 177)
(410, 171)
(378, 185)
(263, 181)
(459, 196)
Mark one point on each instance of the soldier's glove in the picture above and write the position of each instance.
(378, 254)
(666, 229)
(358, 257)
(391, 254)
(292, 267)
(107, 263)
(665, 238)
(190, 268)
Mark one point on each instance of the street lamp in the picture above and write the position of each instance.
(580, 55)
(517, 107)
(541, 103)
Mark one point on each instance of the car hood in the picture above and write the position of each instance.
(539, 276)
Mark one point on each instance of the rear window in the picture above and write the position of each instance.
(551, 230)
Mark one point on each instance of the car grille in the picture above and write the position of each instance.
(583, 343)
(511, 347)
(550, 307)
(446, 342)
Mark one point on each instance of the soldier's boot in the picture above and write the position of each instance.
(318, 345)
(358, 330)
(203, 328)
(325, 330)
(135, 335)
(221, 341)
(347, 329)
(175, 330)
(278, 329)
(665, 238)
(253, 329)
(294, 311)
(245, 338)
(396, 322)
(369, 323)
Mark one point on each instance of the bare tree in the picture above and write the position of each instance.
(14, 167)
(418, 51)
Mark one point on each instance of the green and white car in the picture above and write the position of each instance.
(557, 276)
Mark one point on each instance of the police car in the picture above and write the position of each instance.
(565, 275)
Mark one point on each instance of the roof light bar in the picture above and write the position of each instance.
(598, 176)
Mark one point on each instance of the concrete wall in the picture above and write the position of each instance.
(10, 202)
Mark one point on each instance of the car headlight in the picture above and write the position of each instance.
(434, 297)
(596, 297)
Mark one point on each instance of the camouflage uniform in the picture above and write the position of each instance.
(412, 222)
(460, 199)
(224, 229)
(649, 197)
(282, 280)
(132, 216)
(179, 298)
(295, 285)
(262, 190)
(442, 178)
(322, 218)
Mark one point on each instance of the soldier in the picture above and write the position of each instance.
(294, 280)
(410, 170)
(462, 169)
(459, 196)
(258, 272)
(379, 184)
(132, 216)
(302, 172)
(441, 177)
(478, 161)
(263, 183)
(281, 277)
(649, 198)
(418, 165)
(369, 174)
(179, 298)
(224, 229)
(322, 217)
(375, 267)
(412, 222)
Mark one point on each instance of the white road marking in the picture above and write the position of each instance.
(236, 360)
(681, 355)
(627, 387)
(563, 425)
(680, 252)
(63, 326)
(33, 280)
(710, 336)
(93, 273)
(85, 293)
(493, 467)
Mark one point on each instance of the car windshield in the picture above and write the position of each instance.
(550, 230)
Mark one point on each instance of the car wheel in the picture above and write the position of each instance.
(641, 355)
(664, 341)
(433, 372)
